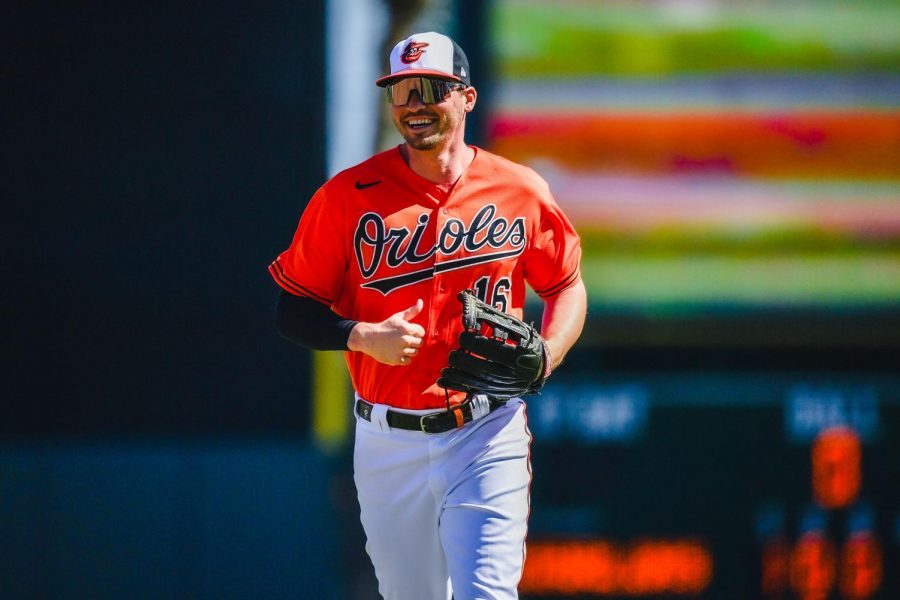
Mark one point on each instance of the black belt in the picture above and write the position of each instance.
(436, 422)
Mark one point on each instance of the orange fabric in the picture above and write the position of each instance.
(457, 412)
(377, 237)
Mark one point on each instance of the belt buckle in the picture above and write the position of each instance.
(422, 422)
(456, 411)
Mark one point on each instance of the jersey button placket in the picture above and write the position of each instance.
(438, 287)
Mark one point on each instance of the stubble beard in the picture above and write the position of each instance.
(427, 143)
(445, 128)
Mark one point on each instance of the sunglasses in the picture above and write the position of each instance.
(430, 90)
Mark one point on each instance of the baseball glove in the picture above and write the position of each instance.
(499, 355)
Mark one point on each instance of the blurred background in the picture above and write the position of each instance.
(726, 428)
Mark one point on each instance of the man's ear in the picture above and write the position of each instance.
(471, 96)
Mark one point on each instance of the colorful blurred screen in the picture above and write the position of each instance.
(713, 155)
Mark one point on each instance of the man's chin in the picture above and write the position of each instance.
(423, 143)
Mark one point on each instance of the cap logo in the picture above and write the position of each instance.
(413, 52)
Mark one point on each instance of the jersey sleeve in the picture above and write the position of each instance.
(553, 258)
(314, 264)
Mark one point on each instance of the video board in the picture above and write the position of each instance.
(722, 155)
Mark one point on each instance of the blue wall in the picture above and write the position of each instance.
(166, 519)
(156, 160)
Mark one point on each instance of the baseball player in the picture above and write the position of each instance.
(376, 269)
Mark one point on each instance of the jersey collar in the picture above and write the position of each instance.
(436, 192)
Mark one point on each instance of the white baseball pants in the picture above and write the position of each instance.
(445, 515)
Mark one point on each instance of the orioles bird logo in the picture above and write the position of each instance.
(413, 52)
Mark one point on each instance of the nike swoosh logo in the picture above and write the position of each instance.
(361, 186)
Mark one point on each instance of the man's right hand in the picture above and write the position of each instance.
(394, 341)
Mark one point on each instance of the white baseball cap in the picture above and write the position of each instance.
(427, 54)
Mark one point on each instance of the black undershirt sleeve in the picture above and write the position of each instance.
(310, 323)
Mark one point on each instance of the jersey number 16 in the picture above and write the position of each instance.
(499, 293)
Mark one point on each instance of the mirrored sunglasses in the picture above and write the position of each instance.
(430, 90)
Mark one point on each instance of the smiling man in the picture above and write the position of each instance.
(375, 269)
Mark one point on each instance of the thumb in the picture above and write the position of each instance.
(413, 310)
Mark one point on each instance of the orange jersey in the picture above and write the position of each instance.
(377, 237)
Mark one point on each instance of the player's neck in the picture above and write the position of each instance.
(439, 165)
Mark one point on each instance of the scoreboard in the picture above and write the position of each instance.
(715, 485)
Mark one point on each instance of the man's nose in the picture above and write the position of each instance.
(414, 99)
